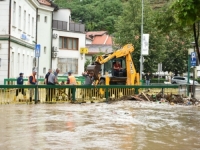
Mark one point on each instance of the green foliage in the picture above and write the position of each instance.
(87, 63)
(175, 59)
(186, 12)
(169, 37)
(182, 16)
(95, 14)
(129, 31)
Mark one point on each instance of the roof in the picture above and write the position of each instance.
(104, 39)
(45, 2)
(99, 37)
(94, 33)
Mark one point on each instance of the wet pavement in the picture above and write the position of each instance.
(123, 125)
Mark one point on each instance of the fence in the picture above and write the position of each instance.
(13, 81)
(76, 93)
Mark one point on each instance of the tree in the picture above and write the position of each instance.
(95, 14)
(187, 13)
(129, 31)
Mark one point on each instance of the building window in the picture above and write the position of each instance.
(14, 13)
(24, 20)
(19, 19)
(45, 50)
(45, 19)
(68, 64)
(68, 43)
(29, 17)
(38, 18)
(33, 22)
(44, 70)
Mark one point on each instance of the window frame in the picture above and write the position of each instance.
(62, 38)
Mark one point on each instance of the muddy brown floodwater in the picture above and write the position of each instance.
(124, 125)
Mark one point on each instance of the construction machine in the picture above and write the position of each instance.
(103, 68)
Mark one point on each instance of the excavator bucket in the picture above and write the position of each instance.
(94, 69)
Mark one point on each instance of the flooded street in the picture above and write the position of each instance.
(124, 125)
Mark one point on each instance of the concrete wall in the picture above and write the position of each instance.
(62, 15)
(4, 17)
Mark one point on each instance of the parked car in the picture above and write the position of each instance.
(182, 80)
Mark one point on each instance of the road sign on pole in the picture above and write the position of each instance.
(193, 59)
(37, 50)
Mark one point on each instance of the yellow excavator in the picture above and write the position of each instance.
(105, 74)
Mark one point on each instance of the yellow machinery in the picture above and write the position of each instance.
(103, 68)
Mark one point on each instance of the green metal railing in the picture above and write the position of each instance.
(73, 93)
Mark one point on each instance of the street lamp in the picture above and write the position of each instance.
(193, 87)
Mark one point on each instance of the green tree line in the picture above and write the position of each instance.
(169, 40)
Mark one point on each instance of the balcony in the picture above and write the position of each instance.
(77, 27)
(73, 27)
(60, 25)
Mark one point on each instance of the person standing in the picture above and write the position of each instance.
(89, 79)
(20, 81)
(46, 82)
(32, 81)
(71, 80)
(148, 78)
(52, 80)
(47, 76)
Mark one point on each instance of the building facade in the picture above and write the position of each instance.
(44, 36)
(68, 38)
(23, 24)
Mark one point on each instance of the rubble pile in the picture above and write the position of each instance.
(166, 98)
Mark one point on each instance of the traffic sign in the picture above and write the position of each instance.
(37, 50)
(193, 59)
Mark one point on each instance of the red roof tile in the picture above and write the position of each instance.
(104, 39)
(45, 2)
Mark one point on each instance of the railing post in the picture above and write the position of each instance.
(107, 94)
(36, 94)
(74, 93)
(136, 91)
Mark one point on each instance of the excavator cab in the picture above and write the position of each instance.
(109, 68)
(100, 71)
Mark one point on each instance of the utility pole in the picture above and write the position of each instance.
(141, 56)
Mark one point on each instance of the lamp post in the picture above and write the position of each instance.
(188, 75)
(193, 87)
(141, 57)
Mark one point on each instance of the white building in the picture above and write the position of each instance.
(44, 36)
(18, 26)
(68, 38)
(26, 23)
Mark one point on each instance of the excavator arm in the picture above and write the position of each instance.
(123, 52)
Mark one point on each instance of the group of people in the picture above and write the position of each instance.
(31, 81)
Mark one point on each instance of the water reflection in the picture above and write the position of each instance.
(118, 126)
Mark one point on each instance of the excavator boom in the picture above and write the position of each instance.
(125, 51)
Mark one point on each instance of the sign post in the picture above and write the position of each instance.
(193, 63)
(193, 59)
(37, 55)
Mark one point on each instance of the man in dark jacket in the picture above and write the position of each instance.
(20, 81)
(89, 79)
(47, 76)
